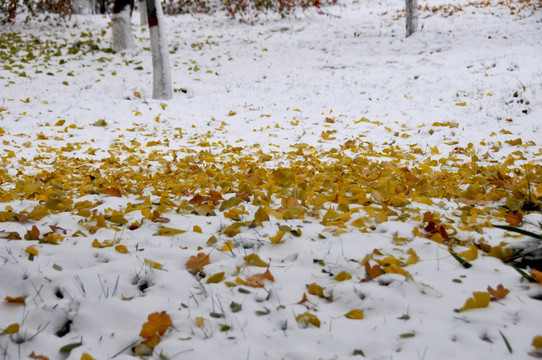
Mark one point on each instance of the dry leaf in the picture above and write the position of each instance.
(306, 319)
(196, 263)
(537, 275)
(157, 324)
(373, 271)
(113, 192)
(17, 300)
(33, 355)
(257, 280)
(514, 218)
(500, 293)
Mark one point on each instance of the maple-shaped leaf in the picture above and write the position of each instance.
(16, 300)
(157, 324)
(514, 218)
(257, 280)
(196, 263)
(537, 275)
(500, 293)
(479, 299)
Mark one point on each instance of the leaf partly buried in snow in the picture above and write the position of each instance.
(356, 314)
(215, 278)
(167, 231)
(196, 263)
(306, 319)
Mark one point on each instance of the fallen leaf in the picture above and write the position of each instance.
(478, 300)
(537, 275)
(33, 355)
(315, 289)
(196, 263)
(17, 300)
(306, 319)
(157, 324)
(86, 356)
(153, 264)
(167, 231)
(257, 280)
(355, 314)
(11, 329)
(254, 260)
(113, 192)
(500, 293)
(342, 276)
(215, 278)
(373, 271)
(537, 342)
(513, 218)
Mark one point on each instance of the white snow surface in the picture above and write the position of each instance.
(266, 88)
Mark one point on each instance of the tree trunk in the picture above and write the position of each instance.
(411, 10)
(122, 32)
(161, 86)
(142, 12)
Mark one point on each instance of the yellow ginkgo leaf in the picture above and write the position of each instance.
(153, 264)
(122, 249)
(86, 356)
(215, 278)
(228, 246)
(32, 250)
(342, 276)
(306, 319)
(537, 342)
(315, 289)
(470, 254)
(355, 314)
(11, 329)
(167, 231)
(199, 321)
(478, 300)
(254, 260)
(276, 239)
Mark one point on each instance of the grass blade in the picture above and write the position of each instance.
(463, 262)
(519, 231)
(524, 274)
(506, 342)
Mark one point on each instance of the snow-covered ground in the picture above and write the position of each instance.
(300, 158)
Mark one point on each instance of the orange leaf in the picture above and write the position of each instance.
(537, 275)
(33, 234)
(373, 271)
(33, 355)
(196, 263)
(256, 280)
(113, 192)
(513, 218)
(500, 293)
(157, 324)
(16, 300)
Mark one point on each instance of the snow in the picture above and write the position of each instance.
(250, 99)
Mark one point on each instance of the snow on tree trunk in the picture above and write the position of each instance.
(161, 86)
(411, 9)
(142, 12)
(122, 32)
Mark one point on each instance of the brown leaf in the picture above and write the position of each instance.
(257, 280)
(17, 300)
(513, 218)
(113, 192)
(500, 293)
(373, 271)
(33, 355)
(33, 234)
(196, 263)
